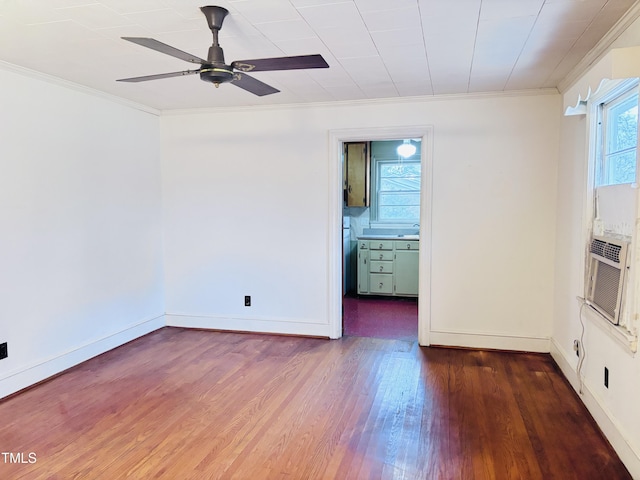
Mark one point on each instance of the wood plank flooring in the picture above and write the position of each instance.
(189, 404)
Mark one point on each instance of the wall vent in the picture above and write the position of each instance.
(607, 274)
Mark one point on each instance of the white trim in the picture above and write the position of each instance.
(603, 417)
(40, 370)
(601, 48)
(376, 166)
(248, 324)
(618, 333)
(9, 67)
(617, 64)
(366, 102)
(334, 241)
(609, 92)
(490, 341)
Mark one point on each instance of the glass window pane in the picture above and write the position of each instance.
(400, 169)
(399, 213)
(395, 184)
(399, 199)
(621, 167)
(396, 187)
(622, 123)
(619, 141)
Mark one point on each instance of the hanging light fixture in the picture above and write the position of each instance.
(406, 149)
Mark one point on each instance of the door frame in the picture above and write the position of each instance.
(336, 139)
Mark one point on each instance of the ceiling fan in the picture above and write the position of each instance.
(215, 70)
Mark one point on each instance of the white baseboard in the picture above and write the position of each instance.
(248, 324)
(490, 341)
(606, 421)
(31, 374)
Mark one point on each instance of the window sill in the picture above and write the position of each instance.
(627, 340)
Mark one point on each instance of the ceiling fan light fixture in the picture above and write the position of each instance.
(406, 149)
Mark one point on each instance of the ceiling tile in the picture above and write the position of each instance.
(27, 13)
(394, 38)
(501, 9)
(343, 15)
(286, 30)
(95, 16)
(384, 5)
(164, 20)
(396, 19)
(344, 44)
(137, 6)
(380, 90)
(264, 11)
(311, 3)
(346, 93)
(487, 83)
(414, 88)
(366, 70)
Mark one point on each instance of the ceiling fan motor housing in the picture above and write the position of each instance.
(216, 74)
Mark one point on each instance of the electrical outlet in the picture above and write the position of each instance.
(576, 347)
(4, 353)
(247, 300)
(606, 377)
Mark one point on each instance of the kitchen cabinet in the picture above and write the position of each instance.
(356, 181)
(388, 267)
(406, 268)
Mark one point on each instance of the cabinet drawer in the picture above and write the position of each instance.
(363, 245)
(407, 245)
(385, 255)
(376, 266)
(380, 245)
(380, 283)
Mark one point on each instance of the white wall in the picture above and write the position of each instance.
(247, 213)
(614, 408)
(80, 214)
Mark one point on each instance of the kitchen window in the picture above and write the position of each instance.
(395, 195)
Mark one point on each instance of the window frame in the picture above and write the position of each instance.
(603, 106)
(376, 164)
(611, 92)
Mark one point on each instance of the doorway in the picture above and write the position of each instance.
(381, 215)
(421, 300)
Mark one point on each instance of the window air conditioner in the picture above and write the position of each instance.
(607, 274)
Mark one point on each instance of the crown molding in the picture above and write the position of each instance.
(601, 48)
(277, 106)
(364, 102)
(9, 67)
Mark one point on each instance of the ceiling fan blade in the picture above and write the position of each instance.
(252, 85)
(158, 76)
(166, 49)
(280, 63)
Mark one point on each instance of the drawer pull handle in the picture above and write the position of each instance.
(380, 246)
(381, 256)
(381, 267)
(408, 246)
(380, 284)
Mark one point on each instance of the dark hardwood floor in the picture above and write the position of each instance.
(182, 404)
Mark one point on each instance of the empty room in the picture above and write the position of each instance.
(198, 200)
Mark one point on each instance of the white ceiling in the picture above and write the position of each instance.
(375, 48)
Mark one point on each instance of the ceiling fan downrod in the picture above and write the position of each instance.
(218, 72)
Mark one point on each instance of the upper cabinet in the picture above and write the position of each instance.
(356, 174)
